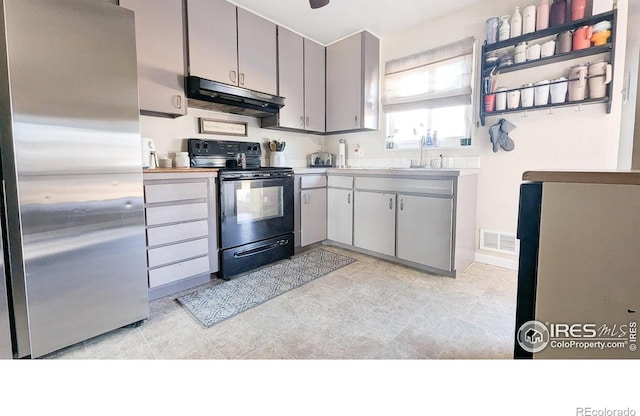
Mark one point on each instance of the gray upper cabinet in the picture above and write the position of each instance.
(301, 80)
(161, 57)
(230, 45)
(353, 83)
(314, 86)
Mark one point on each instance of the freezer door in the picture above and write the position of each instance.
(75, 202)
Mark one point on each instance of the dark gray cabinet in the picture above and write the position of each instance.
(231, 45)
(161, 55)
(353, 83)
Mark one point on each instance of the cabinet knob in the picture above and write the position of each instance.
(390, 203)
(348, 198)
(232, 76)
(356, 120)
(178, 101)
(402, 204)
(302, 121)
(241, 78)
(307, 121)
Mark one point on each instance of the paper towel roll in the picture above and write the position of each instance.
(341, 155)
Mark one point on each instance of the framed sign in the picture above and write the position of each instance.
(230, 128)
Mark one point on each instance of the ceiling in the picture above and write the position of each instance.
(341, 18)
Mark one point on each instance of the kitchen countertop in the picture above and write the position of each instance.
(180, 170)
(413, 172)
(617, 177)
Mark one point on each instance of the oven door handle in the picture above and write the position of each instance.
(261, 249)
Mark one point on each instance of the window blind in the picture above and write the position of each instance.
(438, 77)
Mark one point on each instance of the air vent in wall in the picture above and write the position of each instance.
(499, 241)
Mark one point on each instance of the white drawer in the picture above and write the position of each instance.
(176, 213)
(313, 181)
(399, 185)
(177, 252)
(178, 271)
(341, 181)
(177, 232)
(167, 192)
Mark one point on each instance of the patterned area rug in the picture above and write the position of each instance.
(217, 303)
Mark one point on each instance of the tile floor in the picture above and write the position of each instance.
(371, 309)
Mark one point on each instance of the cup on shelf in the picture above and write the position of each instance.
(548, 48)
(600, 38)
(542, 92)
(165, 162)
(519, 58)
(582, 37)
(526, 95)
(564, 42)
(558, 90)
(513, 99)
(501, 99)
(489, 103)
(533, 52)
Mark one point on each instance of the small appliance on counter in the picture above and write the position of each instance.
(321, 160)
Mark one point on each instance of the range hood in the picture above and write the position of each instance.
(211, 95)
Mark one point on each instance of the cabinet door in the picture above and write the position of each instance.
(344, 84)
(340, 215)
(374, 222)
(314, 86)
(160, 50)
(313, 216)
(213, 44)
(424, 230)
(291, 78)
(257, 52)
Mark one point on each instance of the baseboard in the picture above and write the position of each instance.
(511, 264)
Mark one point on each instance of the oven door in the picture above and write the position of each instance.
(252, 210)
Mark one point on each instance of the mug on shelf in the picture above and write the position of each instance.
(582, 37)
(558, 90)
(533, 52)
(542, 92)
(489, 102)
(600, 74)
(548, 48)
(513, 99)
(501, 99)
(526, 95)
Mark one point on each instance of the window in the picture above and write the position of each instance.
(430, 92)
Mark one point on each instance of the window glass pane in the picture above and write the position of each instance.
(405, 129)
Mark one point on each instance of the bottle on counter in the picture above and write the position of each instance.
(516, 23)
(181, 160)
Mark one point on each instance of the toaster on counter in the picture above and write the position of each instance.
(321, 160)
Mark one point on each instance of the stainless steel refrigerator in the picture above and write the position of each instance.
(72, 172)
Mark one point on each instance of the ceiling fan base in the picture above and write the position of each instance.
(316, 4)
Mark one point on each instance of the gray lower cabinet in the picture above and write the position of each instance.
(161, 55)
(374, 221)
(353, 83)
(180, 212)
(310, 209)
(425, 230)
(339, 211)
(231, 45)
(425, 221)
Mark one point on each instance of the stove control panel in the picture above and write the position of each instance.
(202, 147)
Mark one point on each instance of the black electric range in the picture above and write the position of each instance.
(255, 204)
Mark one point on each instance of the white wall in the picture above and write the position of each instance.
(566, 139)
(170, 135)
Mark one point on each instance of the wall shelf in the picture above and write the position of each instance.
(487, 69)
